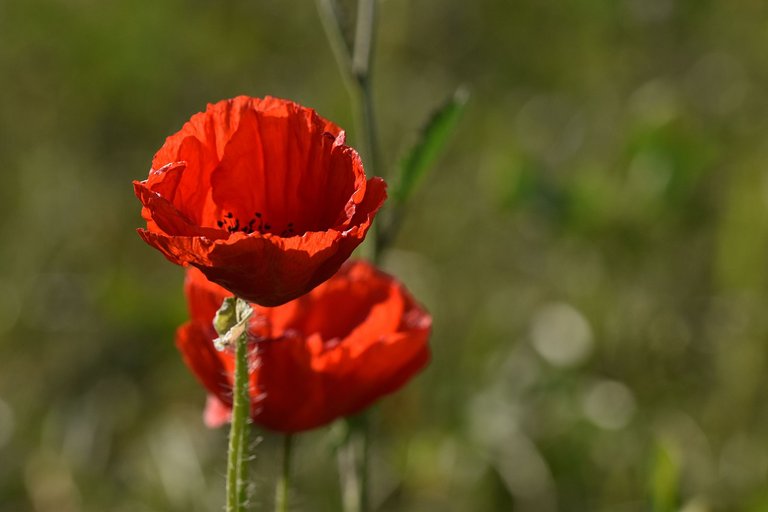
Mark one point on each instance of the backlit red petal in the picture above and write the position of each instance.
(317, 365)
(194, 341)
(262, 195)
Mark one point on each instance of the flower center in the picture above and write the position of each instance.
(256, 223)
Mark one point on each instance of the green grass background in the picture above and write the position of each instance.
(593, 246)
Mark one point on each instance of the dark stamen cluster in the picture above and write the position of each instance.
(288, 231)
(256, 223)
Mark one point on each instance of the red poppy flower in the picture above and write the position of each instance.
(328, 354)
(262, 195)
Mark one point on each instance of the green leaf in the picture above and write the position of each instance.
(433, 138)
(665, 479)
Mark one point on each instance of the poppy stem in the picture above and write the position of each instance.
(363, 468)
(353, 463)
(237, 463)
(362, 64)
(283, 484)
(355, 63)
(330, 16)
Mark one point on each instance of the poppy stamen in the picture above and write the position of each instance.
(260, 227)
(288, 231)
(232, 225)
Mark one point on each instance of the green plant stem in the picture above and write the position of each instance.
(237, 460)
(329, 16)
(350, 497)
(352, 460)
(355, 65)
(369, 128)
(283, 484)
(364, 462)
(362, 64)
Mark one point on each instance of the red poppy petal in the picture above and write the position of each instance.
(309, 380)
(204, 298)
(300, 377)
(181, 250)
(163, 217)
(272, 270)
(237, 137)
(275, 163)
(297, 397)
(347, 157)
(375, 195)
(216, 413)
(201, 145)
(264, 270)
(384, 367)
(273, 170)
(213, 128)
(188, 188)
(334, 308)
(294, 394)
(286, 107)
(194, 341)
(383, 318)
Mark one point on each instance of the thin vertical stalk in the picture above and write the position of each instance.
(348, 477)
(237, 461)
(362, 64)
(364, 462)
(369, 130)
(356, 64)
(283, 484)
(352, 460)
(361, 69)
(329, 16)
(364, 37)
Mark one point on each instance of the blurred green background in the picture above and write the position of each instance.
(593, 246)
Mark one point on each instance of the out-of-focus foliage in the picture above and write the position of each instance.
(432, 141)
(593, 245)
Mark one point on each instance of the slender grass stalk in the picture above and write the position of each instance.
(362, 64)
(283, 484)
(352, 458)
(329, 16)
(350, 488)
(355, 64)
(364, 465)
